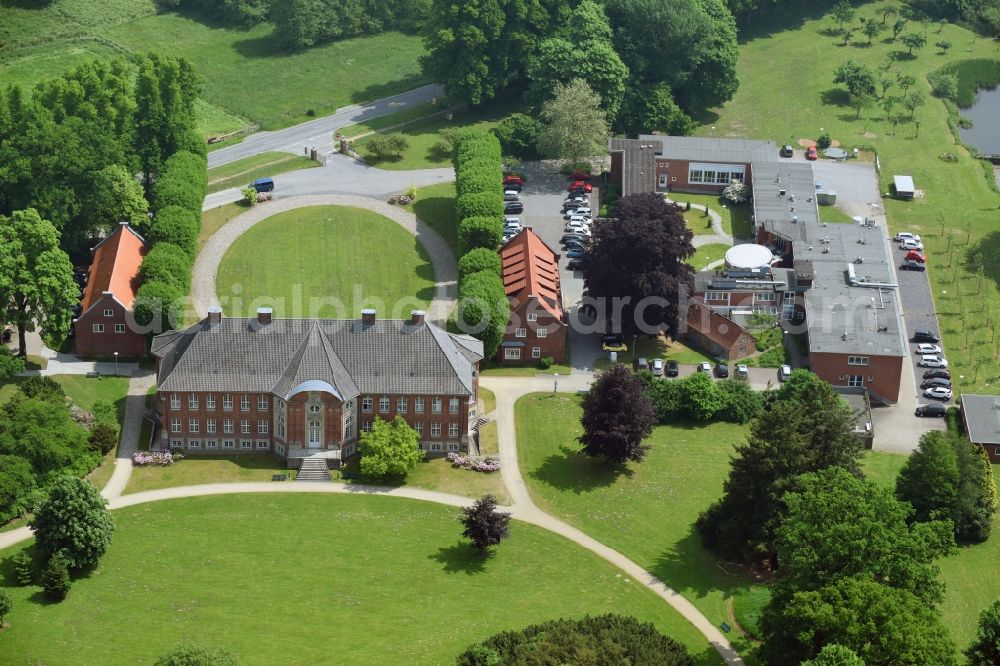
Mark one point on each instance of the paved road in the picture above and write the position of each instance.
(319, 132)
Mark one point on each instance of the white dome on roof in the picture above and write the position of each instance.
(748, 257)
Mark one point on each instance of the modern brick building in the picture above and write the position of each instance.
(106, 324)
(538, 326)
(299, 388)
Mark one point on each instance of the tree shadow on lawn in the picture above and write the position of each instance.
(461, 558)
(695, 572)
(388, 89)
(764, 24)
(983, 255)
(835, 97)
(577, 472)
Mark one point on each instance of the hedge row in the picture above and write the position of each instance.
(483, 308)
(178, 195)
(699, 398)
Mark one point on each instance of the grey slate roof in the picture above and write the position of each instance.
(708, 149)
(389, 356)
(982, 416)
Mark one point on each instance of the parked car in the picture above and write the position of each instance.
(914, 255)
(784, 372)
(511, 195)
(932, 362)
(573, 265)
(742, 371)
(944, 374)
(576, 200)
(582, 211)
(811, 153)
(579, 184)
(721, 370)
(704, 366)
(574, 246)
(937, 381)
(931, 410)
(658, 367)
(926, 348)
(905, 235)
(912, 266)
(574, 241)
(574, 227)
(787, 150)
(513, 226)
(513, 178)
(641, 363)
(911, 245)
(613, 343)
(515, 207)
(263, 184)
(673, 369)
(575, 252)
(924, 336)
(938, 393)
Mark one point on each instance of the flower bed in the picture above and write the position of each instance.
(474, 464)
(161, 458)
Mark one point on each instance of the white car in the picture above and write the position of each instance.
(742, 372)
(658, 367)
(932, 362)
(509, 219)
(512, 226)
(576, 228)
(926, 348)
(906, 235)
(583, 211)
(784, 372)
(911, 245)
(938, 393)
(705, 366)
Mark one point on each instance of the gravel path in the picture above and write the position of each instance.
(206, 266)
(135, 409)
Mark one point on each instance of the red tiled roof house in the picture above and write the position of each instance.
(537, 327)
(106, 324)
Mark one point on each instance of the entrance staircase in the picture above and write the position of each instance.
(313, 469)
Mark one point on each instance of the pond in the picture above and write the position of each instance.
(985, 117)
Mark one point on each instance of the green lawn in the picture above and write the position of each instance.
(737, 217)
(488, 399)
(956, 217)
(698, 222)
(410, 115)
(249, 75)
(660, 347)
(522, 371)
(326, 261)
(196, 470)
(647, 511)
(242, 172)
(423, 135)
(706, 254)
(82, 391)
(435, 205)
(380, 580)
(214, 218)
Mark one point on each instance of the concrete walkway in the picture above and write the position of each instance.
(206, 266)
(135, 409)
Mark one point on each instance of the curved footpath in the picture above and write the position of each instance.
(206, 266)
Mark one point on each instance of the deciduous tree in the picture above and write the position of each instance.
(617, 417)
(835, 655)
(985, 648)
(10, 365)
(914, 40)
(390, 449)
(843, 13)
(73, 522)
(6, 605)
(574, 125)
(651, 107)
(871, 27)
(484, 525)
(116, 197)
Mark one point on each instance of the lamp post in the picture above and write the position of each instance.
(116, 364)
(555, 383)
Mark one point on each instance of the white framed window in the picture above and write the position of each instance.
(764, 296)
(175, 425)
(418, 405)
(532, 316)
(209, 401)
(383, 404)
(210, 444)
(419, 427)
(194, 425)
(542, 333)
(262, 402)
(280, 427)
(313, 432)
(109, 312)
(246, 444)
(227, 403)
(348, 431)
(366, 404)
(536, 352)
(119, 328)
(245, 426)
(314, 409)
(175, 401)
(401, 405)
(436, 446)
(512, 353)
(262, 444)
(453, 447)
(227, 426)
(520, 333)
(857, 360)
(453, 430)
(662, 180)
(192, 401)
(194, 444)
(435, 405)
(176, 444)
(366, 426)
(435, 429)
(228, 444)
(244, 403)
(856, 380)
(453, 405)
(262, 427)
(210, 426)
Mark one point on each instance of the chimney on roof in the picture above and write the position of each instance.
(214, 315)
(264, 316)
(417, 317)
(368, 317)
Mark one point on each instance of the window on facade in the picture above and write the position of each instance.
(348, 431)
(109, 313)
(435, 429)
(261, 444)
(262, 427)
(366, 426)
(856, 380)
(227, 402)
(175, 401)
(262, 402)
(715, 296)
(194, 444)
(244, 403)
(695, 176)
(536, 352)
(512, 353)
(176, 444)
(453, 447)
(418, 405)
(520, 333)
(723, 178)
(764, 296)
(366, 404)
(192, 401)
(663, 180)
(209, 401)
(401, 405)
(314, 409)
(119, 328)
(246, 444)
(210, 444)
(175, 425)
(383, 404)
(532, 316)
(227, 425)
(453, 430)
(194, 425)
(857, 360)
(435, 446)
(245, 426)
(419, 427)
(210, 425)
(542, 333)
(435, 405)
(453, 405)
(228, 444)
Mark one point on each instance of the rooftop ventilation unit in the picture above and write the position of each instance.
(781, 193)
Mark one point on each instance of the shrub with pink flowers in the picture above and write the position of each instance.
(474, 464)
(160, 458)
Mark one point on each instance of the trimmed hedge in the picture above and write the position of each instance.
(157, 304)
(478, 176)
(479, 231)
(477, 144)
(178, 226)
(479, 204)
(479, 259)
(169, 263)
(483, 309)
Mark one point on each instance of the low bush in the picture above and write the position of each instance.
(576, 170)
(103, 438)
(387, 146)
(24, 568)
(474, 464)
(824, 141)
(944, 84)
(545, 362)
(155, 458)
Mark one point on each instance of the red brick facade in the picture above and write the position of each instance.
(674, 176)
(108, 327)
(879, 374)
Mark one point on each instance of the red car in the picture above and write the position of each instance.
(587, 187)
(811, 153)
(914, 255)
(513, 179)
